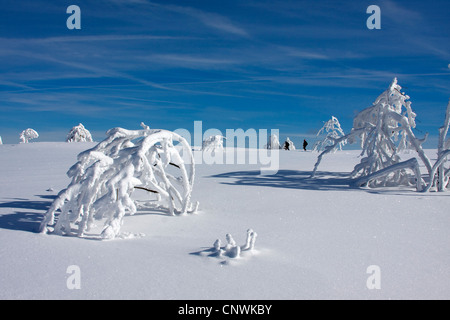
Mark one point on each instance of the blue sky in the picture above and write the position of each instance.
(287, 65)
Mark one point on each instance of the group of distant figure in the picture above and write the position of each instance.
(287, 144)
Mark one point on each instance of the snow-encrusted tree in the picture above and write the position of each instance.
(213, 143)
(105, 177)
(273, 142)
(27, 135)
(1, 142)
(443, 173)
(379, 127)
(79, 134)
(288, 145)
(330, 131)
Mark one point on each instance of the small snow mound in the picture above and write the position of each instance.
(130, 235)
(231, 250)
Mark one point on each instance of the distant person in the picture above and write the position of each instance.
(304, 144)
(288, 144)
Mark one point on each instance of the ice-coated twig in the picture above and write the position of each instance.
(253, 240)
(217, 245)
(248, 239)
(230, 242)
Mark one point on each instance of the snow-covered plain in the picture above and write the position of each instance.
(316, 237)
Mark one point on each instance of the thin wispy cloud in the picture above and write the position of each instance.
(96, 70)
(208, 19)
(14, 84)
(400, 14)
(304, 54)
(129, 1)
(94, 38)
(191, 61)
(218, 22)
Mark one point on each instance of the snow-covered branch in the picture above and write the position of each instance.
(412, 164)
(334, 146)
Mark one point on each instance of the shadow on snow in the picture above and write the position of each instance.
(323, 181)
(290, 179)
(25, 220)
(30, 213)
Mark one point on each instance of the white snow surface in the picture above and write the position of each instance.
(316, 237)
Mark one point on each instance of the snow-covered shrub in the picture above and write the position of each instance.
(213, 143)
(27, 135)
(273, 142)
(79, 134)
(331, 131)
(378, 127)
(288, 145)
(104, 178)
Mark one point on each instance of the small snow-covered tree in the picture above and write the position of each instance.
(1, 142)
(331, 131)
(273, 142)
(27, 135)
(213, 143)
(379, 127)
(288, 145)
(105, 177)
(79, 134)
(443, 173)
